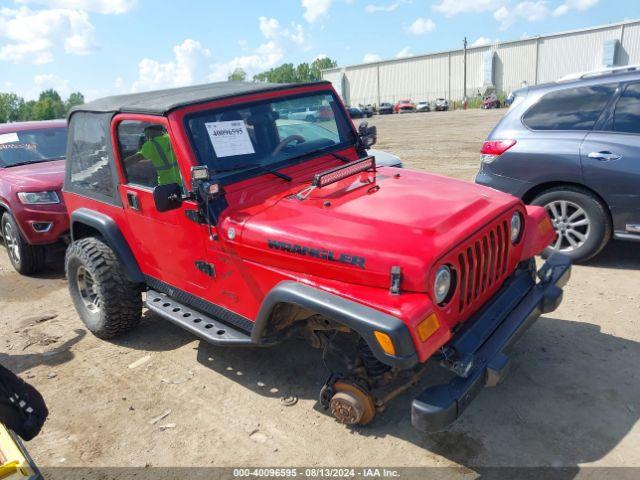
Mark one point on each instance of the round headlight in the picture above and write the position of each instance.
(516, 227)
(442, 285)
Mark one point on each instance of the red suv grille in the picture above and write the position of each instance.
(483, 265)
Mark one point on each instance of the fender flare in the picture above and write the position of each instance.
(360, 318)
(112, 236)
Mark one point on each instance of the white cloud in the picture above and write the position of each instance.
(315, 9)
(47, 81)
(268, 54)
(531, 11)
(421, 26)
(105, 7)
(271, 30)
(579, 5)
(31, 36)
(187, 67)
(450, 8)
(374, 8)
(320, 56)
(371, 58)
(482, 41)
(404, 53)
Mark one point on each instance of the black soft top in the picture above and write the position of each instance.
(161, 102)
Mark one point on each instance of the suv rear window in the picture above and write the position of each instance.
(626, 118)
(569, 109)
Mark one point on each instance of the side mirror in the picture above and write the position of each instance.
(167, 197)
(368, 134)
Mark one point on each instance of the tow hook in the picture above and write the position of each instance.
(461, 365)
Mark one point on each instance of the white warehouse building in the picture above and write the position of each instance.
(502, 65)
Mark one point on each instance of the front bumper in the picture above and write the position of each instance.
(476, 353)
(42, 224)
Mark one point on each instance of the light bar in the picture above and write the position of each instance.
(336, 174)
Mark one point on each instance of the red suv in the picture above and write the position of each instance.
(31, 204)
(247, 229)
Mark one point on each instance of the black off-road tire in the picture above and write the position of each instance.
(118, 301)
(30, 258)
(597, 213)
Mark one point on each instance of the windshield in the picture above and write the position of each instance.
(32, 146)
(269, 133)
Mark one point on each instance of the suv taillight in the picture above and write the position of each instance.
(492, 149)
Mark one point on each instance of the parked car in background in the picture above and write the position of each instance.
(355, 112)
(509, 99)
(574, 148)
(491, 101)
(313, 132)
(385, 108)
(385, 159)
(367, 110)
(441, 105)
(32, 211)
(310, 114)
(405, 106)
(325, 113)
(423, 107)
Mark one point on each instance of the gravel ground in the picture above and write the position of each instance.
(160, 397)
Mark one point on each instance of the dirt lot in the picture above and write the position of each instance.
(572, 398)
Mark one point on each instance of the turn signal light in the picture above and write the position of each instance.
(385, 342)
(428, 327)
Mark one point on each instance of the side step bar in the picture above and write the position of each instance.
(204, 326)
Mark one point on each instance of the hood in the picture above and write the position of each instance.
(357, 229)
(35, 177)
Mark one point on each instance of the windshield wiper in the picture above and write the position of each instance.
(31, 162)
(257, 166)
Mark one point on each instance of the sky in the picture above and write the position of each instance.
(106, 47)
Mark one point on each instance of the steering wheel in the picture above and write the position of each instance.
(287, 141)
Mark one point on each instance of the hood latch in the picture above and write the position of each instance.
(396, 280)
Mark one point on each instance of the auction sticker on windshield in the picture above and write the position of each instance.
(230, 138)
(9, 137)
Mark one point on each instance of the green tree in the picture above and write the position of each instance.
(238, 75)
(49, 106)
(319, 64)
(303, 73)
(76, 98)
(10, 104)
(288, 73)
(27, 111)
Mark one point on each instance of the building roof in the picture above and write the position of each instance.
(488, 46)
(20, 126)
(161, 102)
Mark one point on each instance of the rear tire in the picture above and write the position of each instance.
(24, 257)
(581, 220)
(108, 302)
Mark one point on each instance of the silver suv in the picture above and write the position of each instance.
(574, 147)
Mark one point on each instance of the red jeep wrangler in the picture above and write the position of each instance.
(246, 228)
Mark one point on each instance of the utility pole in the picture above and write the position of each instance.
(464, 43)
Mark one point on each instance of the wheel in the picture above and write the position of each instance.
(351, 404)
(311, 118)
(25, 258)
(580, 219)
(108, 302)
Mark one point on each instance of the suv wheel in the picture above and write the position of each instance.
(108, 302)
(25, 258)
(580, 219)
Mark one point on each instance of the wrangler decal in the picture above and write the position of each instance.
(317, 253)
